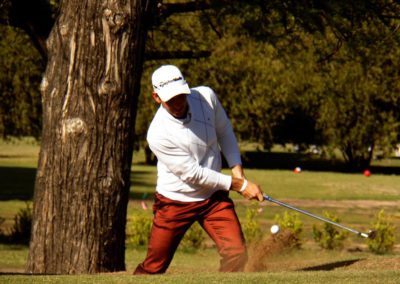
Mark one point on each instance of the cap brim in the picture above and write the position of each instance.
(172, 90)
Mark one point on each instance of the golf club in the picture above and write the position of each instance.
(370, 234)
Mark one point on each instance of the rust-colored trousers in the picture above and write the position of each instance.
(173, 218)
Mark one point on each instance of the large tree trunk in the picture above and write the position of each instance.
(90, 87)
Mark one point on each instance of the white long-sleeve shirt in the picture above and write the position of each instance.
(189, 150)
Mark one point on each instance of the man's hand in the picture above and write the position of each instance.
(251, 190)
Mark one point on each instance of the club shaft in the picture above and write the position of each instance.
(268, 198)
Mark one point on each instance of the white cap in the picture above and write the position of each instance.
(168, 82)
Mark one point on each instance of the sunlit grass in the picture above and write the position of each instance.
(325, 185)
(350, 277)
(13, 257)
(19, 152)
(308, 190)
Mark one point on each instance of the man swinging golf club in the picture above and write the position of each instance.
(187, 135)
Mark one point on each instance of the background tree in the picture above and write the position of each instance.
(187, 29)
(20, 73)
(308, 40)
(359, 112)
(35, 17)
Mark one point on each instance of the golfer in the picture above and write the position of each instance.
(187, 135)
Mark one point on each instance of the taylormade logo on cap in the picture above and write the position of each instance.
(168, 82)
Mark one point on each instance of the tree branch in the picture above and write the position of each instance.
(35, 17)
(158, 55)
(168, 9)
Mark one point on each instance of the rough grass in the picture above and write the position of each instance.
(350, 277)
(305, 266)
(286, 184)
(355, 199)
(326, 185)
(19, 152)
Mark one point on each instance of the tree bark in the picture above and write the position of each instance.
(89, 94)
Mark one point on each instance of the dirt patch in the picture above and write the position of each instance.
(379, 263)
(260, 251)
(276, 253)
(12, 271)
(279, 265)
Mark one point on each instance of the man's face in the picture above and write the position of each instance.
(177, 106)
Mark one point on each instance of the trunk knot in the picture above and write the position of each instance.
(108, 87)
(115, 20)
(74, 126)
(44, 84)
(106, 182)
(64, 30)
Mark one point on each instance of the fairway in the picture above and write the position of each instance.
(354, 198)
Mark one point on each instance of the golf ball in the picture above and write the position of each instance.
(274, 229)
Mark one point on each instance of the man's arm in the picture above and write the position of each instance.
(186, 167)
(237, 171)
(230, 149)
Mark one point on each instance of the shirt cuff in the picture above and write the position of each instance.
(225, 182)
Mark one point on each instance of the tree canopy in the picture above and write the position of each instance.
(303, 72)
(297, 72)
(20, 74)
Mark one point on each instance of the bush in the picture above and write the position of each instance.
(291, 222)
(329, 237)
(251, 228)
(139, 228)
(21, 230)
(384, 239)
(138, 231)
(193, 239)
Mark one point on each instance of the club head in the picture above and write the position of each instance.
(371, 234)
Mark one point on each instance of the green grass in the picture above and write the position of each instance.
(206, 262)
(349, 277)
(202, 268)
(19, 153)
(306, 185)
(326, 185)
(13, 256)
(355, 199)
(143, 181)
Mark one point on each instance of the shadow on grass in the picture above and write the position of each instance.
(145, 181)
(289, 161)
(331, 266)
(141, 195)
(17, 183)
(15, 273)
